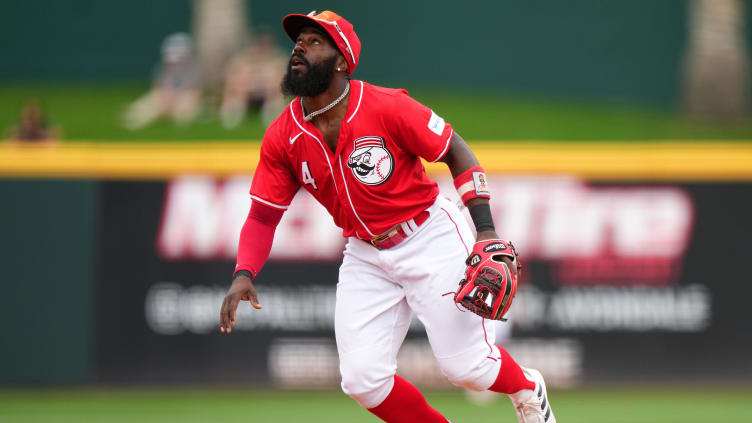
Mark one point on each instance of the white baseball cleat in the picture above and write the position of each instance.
(533, 406)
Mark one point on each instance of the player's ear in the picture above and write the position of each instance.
(341, 65)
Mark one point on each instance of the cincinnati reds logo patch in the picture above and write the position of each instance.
(370, 161)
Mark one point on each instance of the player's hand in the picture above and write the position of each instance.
(482, 236)
(241, 290)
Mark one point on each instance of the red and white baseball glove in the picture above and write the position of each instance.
(489, 284)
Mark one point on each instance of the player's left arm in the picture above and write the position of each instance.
(465, 170)
(493, 268)
(420, 131)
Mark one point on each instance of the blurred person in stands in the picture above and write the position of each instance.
(252, 82)
(176, 93)
(33, 125)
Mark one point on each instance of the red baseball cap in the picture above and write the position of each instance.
(341, 31)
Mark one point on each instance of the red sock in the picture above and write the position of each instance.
(510, 378)
(405, 404)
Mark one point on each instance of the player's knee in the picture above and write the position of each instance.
(366, 380)
(475, 375)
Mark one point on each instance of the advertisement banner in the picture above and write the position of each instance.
(622, 281)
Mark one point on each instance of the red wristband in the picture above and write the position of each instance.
(472, 183)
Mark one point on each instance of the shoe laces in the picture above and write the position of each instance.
(530, 407)
(527, 409)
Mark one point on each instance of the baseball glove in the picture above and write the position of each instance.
(489, 285)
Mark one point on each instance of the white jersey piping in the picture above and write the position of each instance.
(268, 203)
(323, 150)
(360, 97)
(347, 191)
(448, 141)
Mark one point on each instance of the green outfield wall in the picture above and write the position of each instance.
(47, 261)
(585, 48)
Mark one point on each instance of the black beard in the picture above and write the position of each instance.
(311, 83)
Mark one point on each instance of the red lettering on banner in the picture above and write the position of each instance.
(589, 235)
(594, 235)
(201, 220)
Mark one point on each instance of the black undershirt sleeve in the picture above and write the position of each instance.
(481, 214)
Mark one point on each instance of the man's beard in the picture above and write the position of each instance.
(311, 83)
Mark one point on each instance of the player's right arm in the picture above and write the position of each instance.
(272, 190)
(256, 238)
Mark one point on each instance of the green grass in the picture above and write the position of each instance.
(606, 405)
(92, 112)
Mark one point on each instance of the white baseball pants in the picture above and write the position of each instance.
(377, 293)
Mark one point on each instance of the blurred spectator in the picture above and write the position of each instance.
(176, 93)
(33, 125)
(252, 81)
(717, 66)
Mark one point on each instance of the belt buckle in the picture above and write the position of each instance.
(377, 239)
(381, 237)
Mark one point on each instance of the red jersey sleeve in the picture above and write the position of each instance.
(274, 183)
(418, 129)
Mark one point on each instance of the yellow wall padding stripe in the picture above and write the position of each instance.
(606, 161)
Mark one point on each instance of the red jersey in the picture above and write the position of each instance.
(374, 180)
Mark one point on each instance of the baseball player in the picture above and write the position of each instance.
(356, 148)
